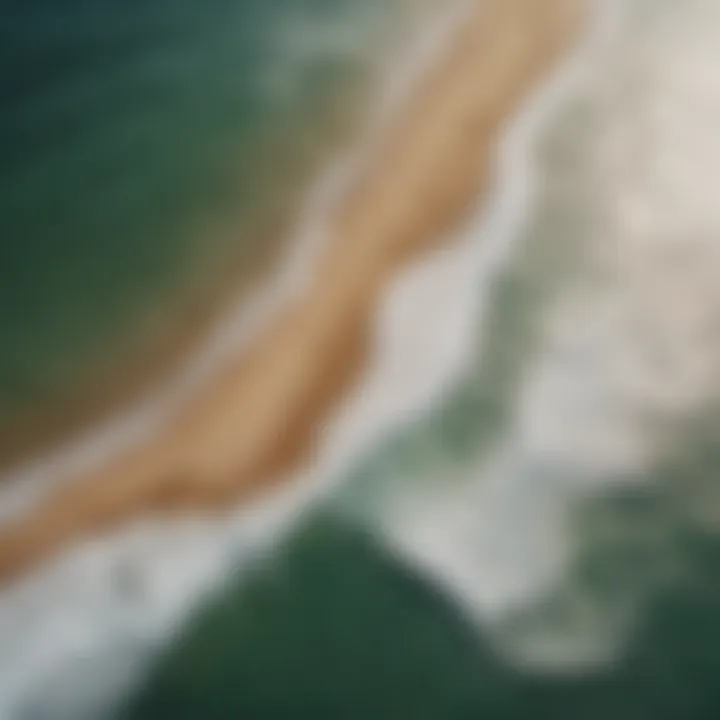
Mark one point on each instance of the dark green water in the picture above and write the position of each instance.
(145, 147)
(333, 625)
(336, 628)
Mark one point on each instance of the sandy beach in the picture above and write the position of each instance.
(260, 417)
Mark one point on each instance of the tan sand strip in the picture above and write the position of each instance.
(260, 418)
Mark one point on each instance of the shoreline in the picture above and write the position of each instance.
(221, 329)
(159, 356)
(260, 418)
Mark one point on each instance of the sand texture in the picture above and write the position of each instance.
(259, 418)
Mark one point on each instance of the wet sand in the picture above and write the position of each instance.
(260, 418)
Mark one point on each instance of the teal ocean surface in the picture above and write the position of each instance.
(527, 526)
(151, 154)
(336, 628)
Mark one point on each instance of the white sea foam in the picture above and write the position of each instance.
(627, 352)
(427, 535)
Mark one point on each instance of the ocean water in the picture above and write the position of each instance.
(337, 627)
(153, 155)
(515, 515)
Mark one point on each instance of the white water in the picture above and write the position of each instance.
(628, 352)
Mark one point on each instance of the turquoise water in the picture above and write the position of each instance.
(146, 148)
